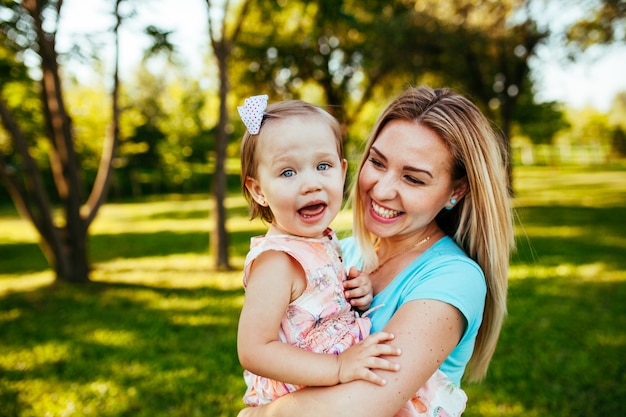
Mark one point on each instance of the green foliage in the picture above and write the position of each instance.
(617, 121)
(346, 54)
(603, 23)
(539, 121)
(587, 126)
(155, 335)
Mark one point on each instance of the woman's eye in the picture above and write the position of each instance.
(323, 166)
(413, 180)
(375, 162)
(288, 173)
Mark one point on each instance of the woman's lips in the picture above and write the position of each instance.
(384, 213)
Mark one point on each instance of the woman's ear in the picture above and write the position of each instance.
(256, 191)
(460, 189)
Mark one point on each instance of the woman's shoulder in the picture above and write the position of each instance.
(444, 266)
(347, 243)
(446, 250)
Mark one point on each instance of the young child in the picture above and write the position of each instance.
(297, 327)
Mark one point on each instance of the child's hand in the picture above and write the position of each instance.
(357, 361)
(358, 289)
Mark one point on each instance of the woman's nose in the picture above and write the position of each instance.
(384, 188)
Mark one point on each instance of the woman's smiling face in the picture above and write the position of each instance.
(406, 179)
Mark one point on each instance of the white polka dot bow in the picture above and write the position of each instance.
(251, 112)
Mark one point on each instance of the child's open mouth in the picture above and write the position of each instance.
(312, 210)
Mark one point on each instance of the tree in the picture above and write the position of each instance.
(352, 49)
(540, 121)
(604, 23)
(32, 25)
(340, 51)
(222, 42)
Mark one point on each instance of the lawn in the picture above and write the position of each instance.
(155, 333)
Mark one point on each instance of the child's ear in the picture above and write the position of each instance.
(256, 191)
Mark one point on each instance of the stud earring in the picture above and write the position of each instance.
(453, 202)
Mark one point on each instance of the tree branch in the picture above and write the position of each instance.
(33, 188)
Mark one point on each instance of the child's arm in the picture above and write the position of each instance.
(274, 279)
(358, 289)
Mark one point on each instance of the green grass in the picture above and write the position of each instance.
(155, 333)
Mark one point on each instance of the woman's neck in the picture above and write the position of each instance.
(393, 246)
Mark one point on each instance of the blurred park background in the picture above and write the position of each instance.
(123, 230)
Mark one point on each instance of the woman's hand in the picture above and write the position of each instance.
(358, 289)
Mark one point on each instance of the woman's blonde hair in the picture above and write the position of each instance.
(481, 223)
(248, 153)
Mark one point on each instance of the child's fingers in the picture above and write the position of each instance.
(356, 292)
(378, 363)
(378, 338)
(361, 303)
(372, 377)
(355, 282)
(383, 364)
(353, 272)
(354, 289)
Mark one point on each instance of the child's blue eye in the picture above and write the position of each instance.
(288, 173)
(323, 166)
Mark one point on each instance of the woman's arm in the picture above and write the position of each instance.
(426, 331)
(274, 281)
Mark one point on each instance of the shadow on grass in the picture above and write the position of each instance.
(179, 215)
(120, 350)
(566, 235)
(21, 258)
(561, 352)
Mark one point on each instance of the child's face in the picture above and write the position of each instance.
(300, 175)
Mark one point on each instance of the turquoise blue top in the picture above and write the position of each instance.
(443, 272)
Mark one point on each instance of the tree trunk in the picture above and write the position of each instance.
(220, 235)
(222, 46)
(65, 246)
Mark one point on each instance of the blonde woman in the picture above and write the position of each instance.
(433, 228)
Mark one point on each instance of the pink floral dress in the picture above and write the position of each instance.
(321, 319)
(439, 397)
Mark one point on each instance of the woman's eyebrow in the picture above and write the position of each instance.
(413, 169)
(377, 152)
(406, 167)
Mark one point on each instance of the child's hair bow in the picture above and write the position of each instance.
(251, 112)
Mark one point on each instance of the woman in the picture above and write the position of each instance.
(433, 227)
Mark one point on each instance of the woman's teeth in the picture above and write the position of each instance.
(385, 213)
